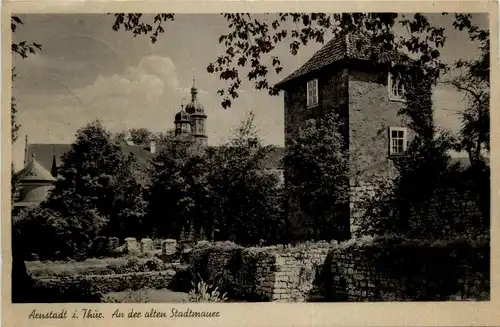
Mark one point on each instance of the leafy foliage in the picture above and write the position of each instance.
(96, 176)
(245, 197)
(51, 236)
(318, 180)
(202, 292)
(132, 22)
(474, 81)
(221, 193)
(176, 182)
(140, 136)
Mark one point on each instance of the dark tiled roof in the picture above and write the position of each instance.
(343, 46)
(45, 153)
(33, 171)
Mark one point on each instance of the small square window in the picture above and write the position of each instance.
(397, 140)
(312, 93)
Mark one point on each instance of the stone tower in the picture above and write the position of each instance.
(197, 117)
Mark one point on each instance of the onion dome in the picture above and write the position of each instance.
(194, 107)
(182, 116)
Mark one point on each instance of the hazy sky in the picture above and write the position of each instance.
(87, 71)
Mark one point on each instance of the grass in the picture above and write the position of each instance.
(71, 268)
(88, 267)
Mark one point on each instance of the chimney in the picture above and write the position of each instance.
(152, 147)
(128, 138)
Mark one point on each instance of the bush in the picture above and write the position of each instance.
(50, 236)
(203, 292)
(74, 293)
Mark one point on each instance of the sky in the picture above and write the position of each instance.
(87, 71)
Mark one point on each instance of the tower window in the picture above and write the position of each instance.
(398, 140)
(312, 93)
(396, 87)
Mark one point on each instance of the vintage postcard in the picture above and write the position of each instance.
(227, 163)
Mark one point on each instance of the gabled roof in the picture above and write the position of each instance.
(45, 154)
(34, 172)
(341, 47)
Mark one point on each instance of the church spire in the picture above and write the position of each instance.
(26, 150)
(194, 91)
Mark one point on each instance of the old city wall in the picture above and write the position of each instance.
(395, 269)
(366, 269)
(261, 274)
(361, 269)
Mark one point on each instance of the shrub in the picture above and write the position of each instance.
(140, 296)
(50, 236)
(203, 292)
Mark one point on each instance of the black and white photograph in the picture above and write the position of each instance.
(288, 157)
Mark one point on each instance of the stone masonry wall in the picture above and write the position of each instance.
(365, 269)
(371, 113)
(263, 274)
(299, 273)
(405, 270)
(451, 212)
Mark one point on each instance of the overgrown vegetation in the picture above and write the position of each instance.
(317, 181)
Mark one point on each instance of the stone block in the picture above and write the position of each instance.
(169, 247)
(131, 246)
(113, 243)
(146, 245)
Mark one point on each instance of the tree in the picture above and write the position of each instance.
(177, 188)
(317, 179)
(474, 81)
(140, 136)
(216, 193)
(51, 236)
(245, 198)
(21, 281)
(97, 176)
(251, 41)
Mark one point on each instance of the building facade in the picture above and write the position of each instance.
(343, 77)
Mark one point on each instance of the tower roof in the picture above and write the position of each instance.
(354, 45)
(182, 116)
(34, 172)
(194, 107)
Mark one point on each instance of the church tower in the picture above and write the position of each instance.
(197, 117)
